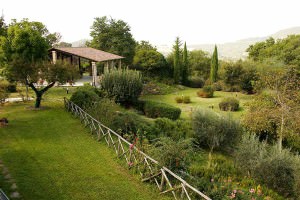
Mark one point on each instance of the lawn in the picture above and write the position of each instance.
(198, 102)
(52, 156)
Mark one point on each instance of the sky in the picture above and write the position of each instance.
(161, 21)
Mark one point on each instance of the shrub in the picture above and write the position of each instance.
(3, 90)
(129, 124)
(84, 98)
(172, 154)
(183, 99)
(12, 87)
(186, 99)
(214, 131)
(156, 109)
(179, 99)
(218, 86)
(278, 169)
(249, 153)
(122, 84)
(195, 82)
(177, 130)
(105, 111)
(206, 92)
(229, 104)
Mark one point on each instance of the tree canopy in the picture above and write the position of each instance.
(25, 53)
(27, 40)
(286, 50)
(113, 36)
(214, 66)
(148, 59)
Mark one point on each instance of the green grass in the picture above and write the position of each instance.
(198, 102)
(51, 156)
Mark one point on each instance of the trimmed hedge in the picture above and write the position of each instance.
(183, 99)
(156, 109)
(229, 104)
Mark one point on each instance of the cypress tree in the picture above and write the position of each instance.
(185, 66)
(214, 66)
(177, 67)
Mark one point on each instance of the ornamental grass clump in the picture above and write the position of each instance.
(124, 85)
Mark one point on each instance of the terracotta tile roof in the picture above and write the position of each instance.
(88, 53)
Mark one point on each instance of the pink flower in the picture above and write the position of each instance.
(131, 146)
(212, 180)
(232, 195)
(252, 190)
(234, 191)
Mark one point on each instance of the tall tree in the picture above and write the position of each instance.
(276, 109)
(25, 49)
(185, 65)
(113, 36)
(199, 62)
(33, 73)
(177, 61)
(214, 66)
(3, 26)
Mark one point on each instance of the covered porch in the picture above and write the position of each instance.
(75, 55)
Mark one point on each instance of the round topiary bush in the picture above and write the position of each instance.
(206, 92)
(229, 104)
(179, 99)
(84, 98)
(187, 99)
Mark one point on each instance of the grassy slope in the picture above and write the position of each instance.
(51, 156)
(198, 102)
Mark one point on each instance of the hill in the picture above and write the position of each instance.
(233, 50)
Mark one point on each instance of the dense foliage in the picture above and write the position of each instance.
(155, 109)
(3, 90)
(113, 36)
(214, 131)
(149, 60)
(214, 66)
(85, 97)
(172, 154)
(206, 92)
(285, 50)
(229, 104)
(199, 65)
(177, 65)
(275, 112)
(278, 169)
(124, 85)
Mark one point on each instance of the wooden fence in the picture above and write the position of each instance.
(149, 169)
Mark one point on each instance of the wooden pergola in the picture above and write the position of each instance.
(74, 54)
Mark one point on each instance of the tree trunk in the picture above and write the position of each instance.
(39, 93)
(38, 99)
(27, 98)
(280, 136)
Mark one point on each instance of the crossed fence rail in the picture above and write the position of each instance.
(149, 169)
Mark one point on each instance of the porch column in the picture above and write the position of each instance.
(120, 64)
(112, 64)
(54, 57)
(106, 67)
(94, 73)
